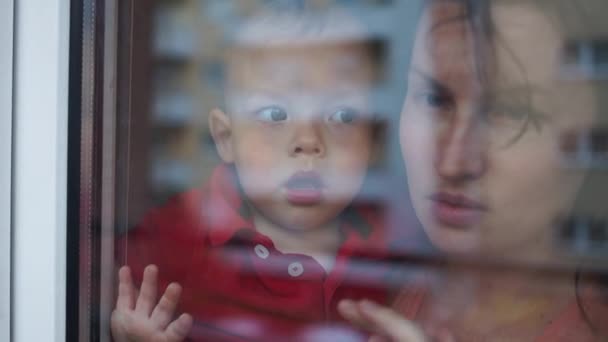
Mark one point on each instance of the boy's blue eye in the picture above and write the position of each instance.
(272, 114)
(343, 115)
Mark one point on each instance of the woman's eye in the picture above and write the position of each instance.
(433, 99)
(343, 115)
(271, 114)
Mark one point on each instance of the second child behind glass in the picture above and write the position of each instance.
(268, 246)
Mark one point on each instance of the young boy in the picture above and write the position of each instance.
(267, 248)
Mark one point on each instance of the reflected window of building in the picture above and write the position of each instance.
(586, 59)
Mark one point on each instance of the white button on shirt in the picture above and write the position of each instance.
(261, 251)
(295, 269)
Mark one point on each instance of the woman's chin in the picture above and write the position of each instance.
(451, 240)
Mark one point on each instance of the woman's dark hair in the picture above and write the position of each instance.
(486, 41)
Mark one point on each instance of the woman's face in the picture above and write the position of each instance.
(485, 169)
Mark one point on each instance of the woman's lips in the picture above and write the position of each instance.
(456, 210)
(304, 188)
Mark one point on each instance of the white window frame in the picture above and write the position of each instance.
(40, 112)
(6, 108)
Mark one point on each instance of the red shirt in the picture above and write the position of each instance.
(237, 285)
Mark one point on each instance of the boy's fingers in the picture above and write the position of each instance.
(135, 294)
(126, 291)
(388, 323)
(438, 334)
(350, 311)
(179, 329)
(147, 293)
(163, 312)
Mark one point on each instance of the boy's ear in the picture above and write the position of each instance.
(221, 131)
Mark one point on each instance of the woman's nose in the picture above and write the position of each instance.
(461, 152)
(307, 139)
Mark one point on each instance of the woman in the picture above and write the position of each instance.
(482, 134)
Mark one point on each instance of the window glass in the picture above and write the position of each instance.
(334, 170)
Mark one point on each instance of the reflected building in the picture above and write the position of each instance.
(584, 62)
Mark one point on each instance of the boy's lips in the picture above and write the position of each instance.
(456, 210)
(304, 188)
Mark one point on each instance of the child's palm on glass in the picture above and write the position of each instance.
(139, 317)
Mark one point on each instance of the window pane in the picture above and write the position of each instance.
(601, 53)
(287, 162)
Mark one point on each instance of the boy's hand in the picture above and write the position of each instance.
(140, 318)
(385, 323)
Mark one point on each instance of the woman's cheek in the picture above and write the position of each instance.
(530, 190)
(417, 141)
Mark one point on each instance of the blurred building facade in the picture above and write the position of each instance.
(585, 62)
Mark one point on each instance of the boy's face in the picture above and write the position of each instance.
(298, 129)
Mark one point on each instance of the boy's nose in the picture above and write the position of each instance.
(307, 139)
(461, 154)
